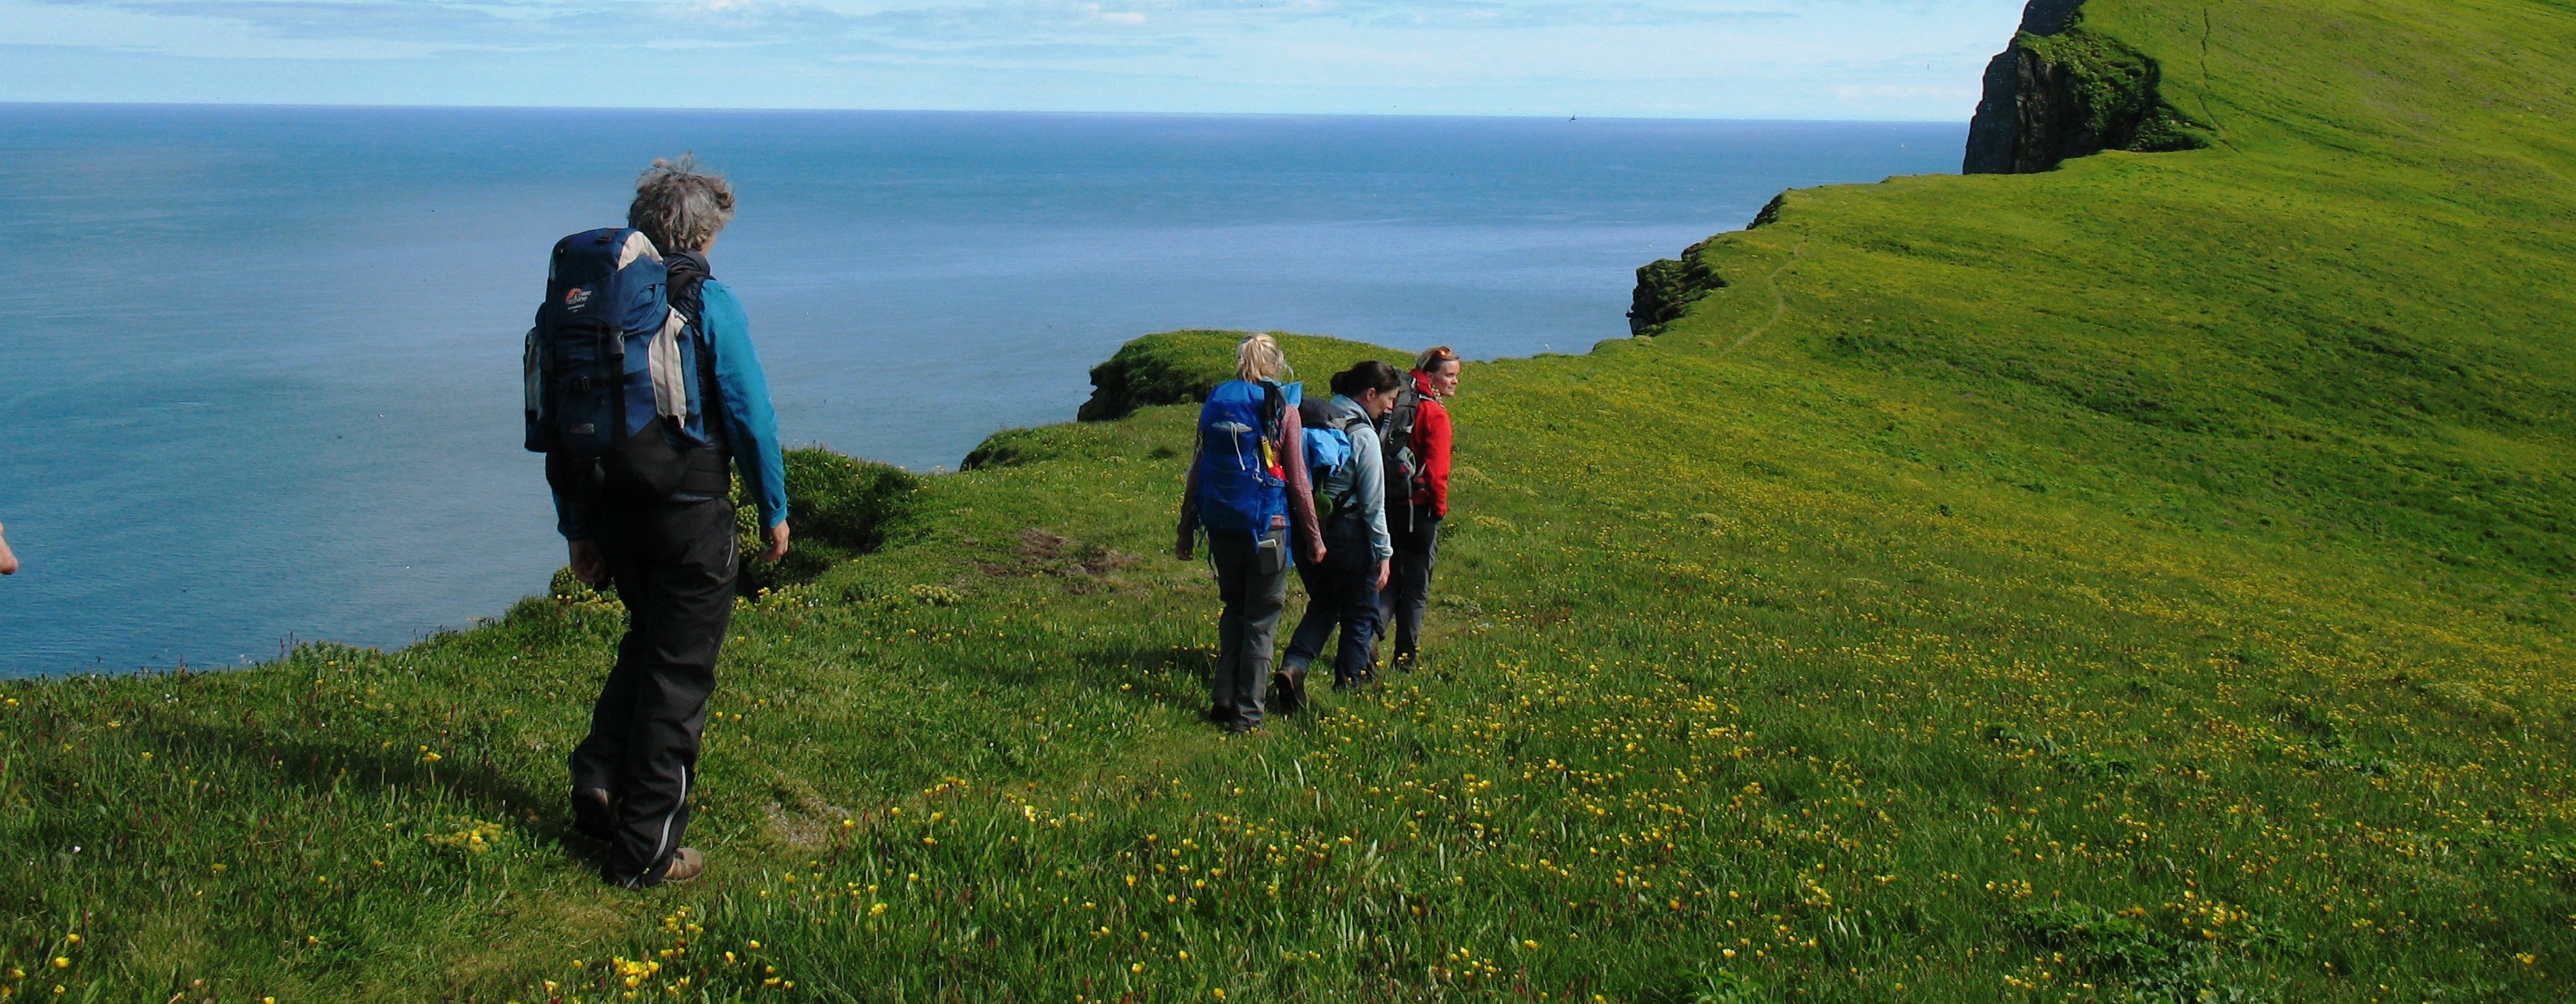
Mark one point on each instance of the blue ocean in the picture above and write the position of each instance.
(258, 365)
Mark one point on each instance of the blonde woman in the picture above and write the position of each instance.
(1248, 491)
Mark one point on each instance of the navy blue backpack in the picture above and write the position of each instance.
(1243, 490)
(616, 371)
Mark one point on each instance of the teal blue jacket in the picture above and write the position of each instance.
(751, 425)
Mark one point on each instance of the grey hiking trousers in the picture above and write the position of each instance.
(1248, 628)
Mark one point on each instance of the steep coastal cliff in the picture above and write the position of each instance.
(1666, 287)
(2059, 92)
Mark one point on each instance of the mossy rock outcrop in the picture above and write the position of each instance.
(2059, 92)
(1178, 367)
(1666, 287)
(842, 507)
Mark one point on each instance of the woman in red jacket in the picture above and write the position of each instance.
(1415, 522)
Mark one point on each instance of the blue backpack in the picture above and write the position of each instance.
(1328, 457)
(615, 370)
(1243, 490)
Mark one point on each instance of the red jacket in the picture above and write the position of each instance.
(1431, 446)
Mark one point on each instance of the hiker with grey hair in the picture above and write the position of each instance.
(661, 528)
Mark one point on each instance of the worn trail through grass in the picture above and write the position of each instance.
(1779, 299)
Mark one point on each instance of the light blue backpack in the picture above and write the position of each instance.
(1328, 459)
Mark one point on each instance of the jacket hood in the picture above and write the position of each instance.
(1343, 407)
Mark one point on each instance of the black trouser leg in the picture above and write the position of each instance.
(674, 568)
(1341, 593)
(1315, 625)
(1408, 591)
(1355, 654)
(601, 756)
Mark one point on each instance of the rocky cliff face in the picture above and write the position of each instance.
(1668, 286)
(2060, 91)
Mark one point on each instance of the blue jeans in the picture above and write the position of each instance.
(1340, 592)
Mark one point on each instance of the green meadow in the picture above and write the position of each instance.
(2148, 580)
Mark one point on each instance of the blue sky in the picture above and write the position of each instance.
(1794, 59)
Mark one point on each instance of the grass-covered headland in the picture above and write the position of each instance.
(2145, 580)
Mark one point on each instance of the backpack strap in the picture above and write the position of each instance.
(687, 293)
(662, 359)
(708, 473)
(1407, 411)
(1274, 410)
(1360, 421)
(1400, 422)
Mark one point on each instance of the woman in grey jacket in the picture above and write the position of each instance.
(1342, 589)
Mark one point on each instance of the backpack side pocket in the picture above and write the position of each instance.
(541, 427)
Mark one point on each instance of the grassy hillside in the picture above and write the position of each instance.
(2146, 580)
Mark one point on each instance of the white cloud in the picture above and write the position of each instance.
(1910, 59)
(122, 30)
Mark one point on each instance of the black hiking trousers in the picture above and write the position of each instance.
(1416, 534)
(673, 565)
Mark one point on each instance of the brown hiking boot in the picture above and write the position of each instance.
(1288, 690)
(686, 864)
